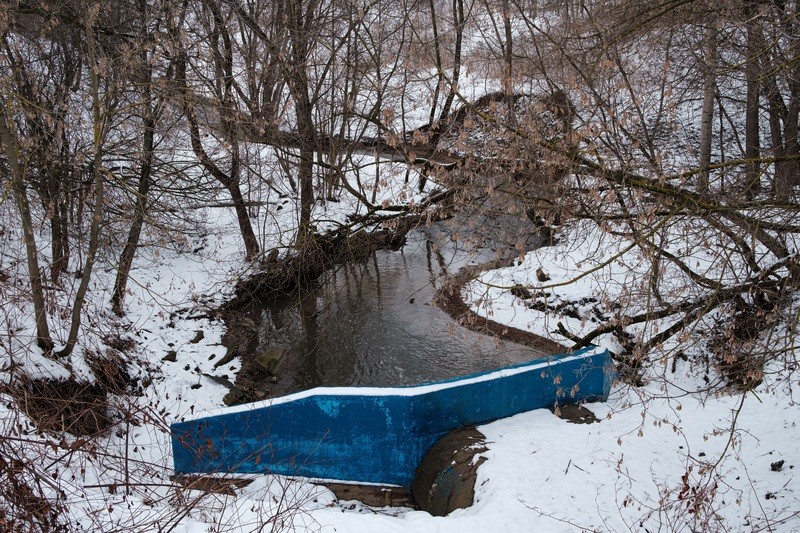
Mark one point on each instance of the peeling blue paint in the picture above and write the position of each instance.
(330, 407)
(377, 435)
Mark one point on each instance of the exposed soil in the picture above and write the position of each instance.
(449, 300)
(371, 495)
(76, 407)
(218, 485)
(574, 414)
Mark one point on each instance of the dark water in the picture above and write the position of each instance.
(375, 323)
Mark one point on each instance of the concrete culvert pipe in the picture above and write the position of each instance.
(445, 478)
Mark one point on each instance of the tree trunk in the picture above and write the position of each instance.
(100, 129)
(58, 200)
(752, 76)
(251, 246)
(140, 210)
(229, 181)
(707, 112)
(59, 246)
(459, 21)
(298, 19)
(43, 339)
(145, 172)
(437, 52)
(508, 54)
(437, 129)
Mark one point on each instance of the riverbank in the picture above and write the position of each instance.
(615, 474)
(284, 281)
(450, 299)
(653, 441)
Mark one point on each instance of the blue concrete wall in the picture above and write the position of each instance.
(377, 435)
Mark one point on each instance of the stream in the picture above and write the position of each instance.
(374, 323)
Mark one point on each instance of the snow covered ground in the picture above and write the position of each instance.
(674, 455)
(669, 456)
(664, 457)
(677, 454)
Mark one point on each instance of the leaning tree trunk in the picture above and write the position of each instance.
(145, 172)
(100, 130)
(139, 213)
(8, 139)
(436, 131)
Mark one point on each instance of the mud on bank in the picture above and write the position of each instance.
(449, 299)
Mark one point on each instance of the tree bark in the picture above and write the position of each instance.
(437, 53)
(459, 22)
(43, 339)
(707, 112)
(752, 173)
(508, 55)
(299, 18)
(145, 172)
(229, 181)
(100, 129)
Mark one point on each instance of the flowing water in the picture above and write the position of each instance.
(375, 323)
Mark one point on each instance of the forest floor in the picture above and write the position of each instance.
(671, 455)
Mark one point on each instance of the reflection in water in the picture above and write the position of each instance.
(375, 323)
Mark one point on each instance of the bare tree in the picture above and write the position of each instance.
(752, 69)
(772, 31)
(221, 84)
(17, 175)
(102, 92)
(631, 166)
(152, 106)
(709, 93)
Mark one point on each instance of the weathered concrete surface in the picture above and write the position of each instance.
(377, 435)
(445, 478)
(372, 495)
